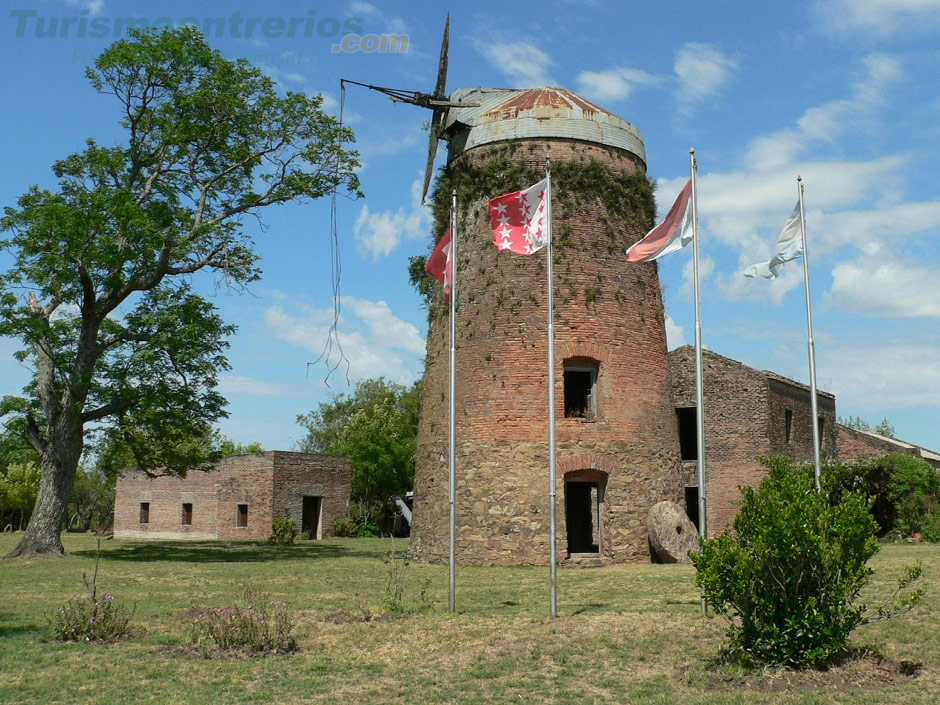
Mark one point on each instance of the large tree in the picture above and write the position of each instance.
(99, 289)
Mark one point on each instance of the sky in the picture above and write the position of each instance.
(845, 93)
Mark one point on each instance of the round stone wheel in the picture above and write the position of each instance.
(671, 533)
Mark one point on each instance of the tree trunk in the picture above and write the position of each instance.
(59, 465)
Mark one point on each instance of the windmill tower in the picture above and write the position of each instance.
(617, 444)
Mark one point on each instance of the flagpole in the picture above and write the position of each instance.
(811, 346)
(453, 404)
(553, 579)
(699, 370)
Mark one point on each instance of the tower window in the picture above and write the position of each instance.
(145, 512)
(241, 520)
(580, 390)
(788, 422)
(187, 514)
(688, 432)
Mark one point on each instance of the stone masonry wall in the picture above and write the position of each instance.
(214, 495)
(744, 419)
(606, 311)
(302, 474)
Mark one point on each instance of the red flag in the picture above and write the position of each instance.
(519, 219)
(674, 233)
(440, 264)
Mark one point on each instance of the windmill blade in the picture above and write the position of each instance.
(439, 89)
(437, 117)
(437, 124)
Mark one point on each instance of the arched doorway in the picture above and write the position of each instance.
(584, 511)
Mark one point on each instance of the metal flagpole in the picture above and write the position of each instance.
(553, 580)
(699, 371)
(453, 401)
(810, 344)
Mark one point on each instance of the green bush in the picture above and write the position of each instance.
(788, 577)
(345, 527)
(85, 618)
(904, 490)
(283, 532)
(255, 624)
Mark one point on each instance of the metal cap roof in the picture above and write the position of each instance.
(501, 114)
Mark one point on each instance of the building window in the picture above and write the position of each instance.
(788, 420)
(580, 389)
(187, 514)
(145, 512)
(241, 520)
(688, 432)
(821, 424)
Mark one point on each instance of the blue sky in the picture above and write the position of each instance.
(845, 93)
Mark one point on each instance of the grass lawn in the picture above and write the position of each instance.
(625, 634)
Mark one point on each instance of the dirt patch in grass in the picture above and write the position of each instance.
(860, 669)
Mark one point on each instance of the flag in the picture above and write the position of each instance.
(440, 265)
(519, 219)
(674, 233)
(789, 246)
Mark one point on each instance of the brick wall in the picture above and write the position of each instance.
(297, 475)
(270, 484)
(605, 311)
(745, 418)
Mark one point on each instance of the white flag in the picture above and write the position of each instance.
(789, 246)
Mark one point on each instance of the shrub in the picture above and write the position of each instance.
(283, 532)
(255, 624)
(84, 618)
(87, 618)
(904, 489)
(345, 527)
(788, 577)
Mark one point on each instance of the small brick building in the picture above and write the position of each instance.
(748, 413)
(854, 443)
(238, 499)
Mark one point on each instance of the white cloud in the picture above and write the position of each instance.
(523, 63)
(378, 234)
(874, 286)
(703, 72)
(94, 7)
(881, 18)
(373, 339)
(239, 385)
(706, 267)
(675, 337)
(830, 120)
(876, 376)
(614, 84)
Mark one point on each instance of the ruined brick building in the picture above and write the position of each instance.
(625, 409)
(238, 499)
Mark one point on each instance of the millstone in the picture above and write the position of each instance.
(671, 533)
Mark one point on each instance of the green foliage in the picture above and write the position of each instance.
(345, 528)
(283, 532)
(627, 197)
(92, 500)
(97, 290)
(84, 619)
(856, 422)
(884, 428)
(254, 624)
(19, 485)
(904, 490)
(90, 618)
(227, 448)
(377, 429)
(788, 577)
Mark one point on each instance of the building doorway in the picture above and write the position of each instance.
(310, 521)
(584, 511)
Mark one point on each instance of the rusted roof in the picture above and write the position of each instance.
(535, 98)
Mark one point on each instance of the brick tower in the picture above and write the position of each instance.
(617, 443)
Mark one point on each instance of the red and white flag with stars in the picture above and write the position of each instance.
(520, 219)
